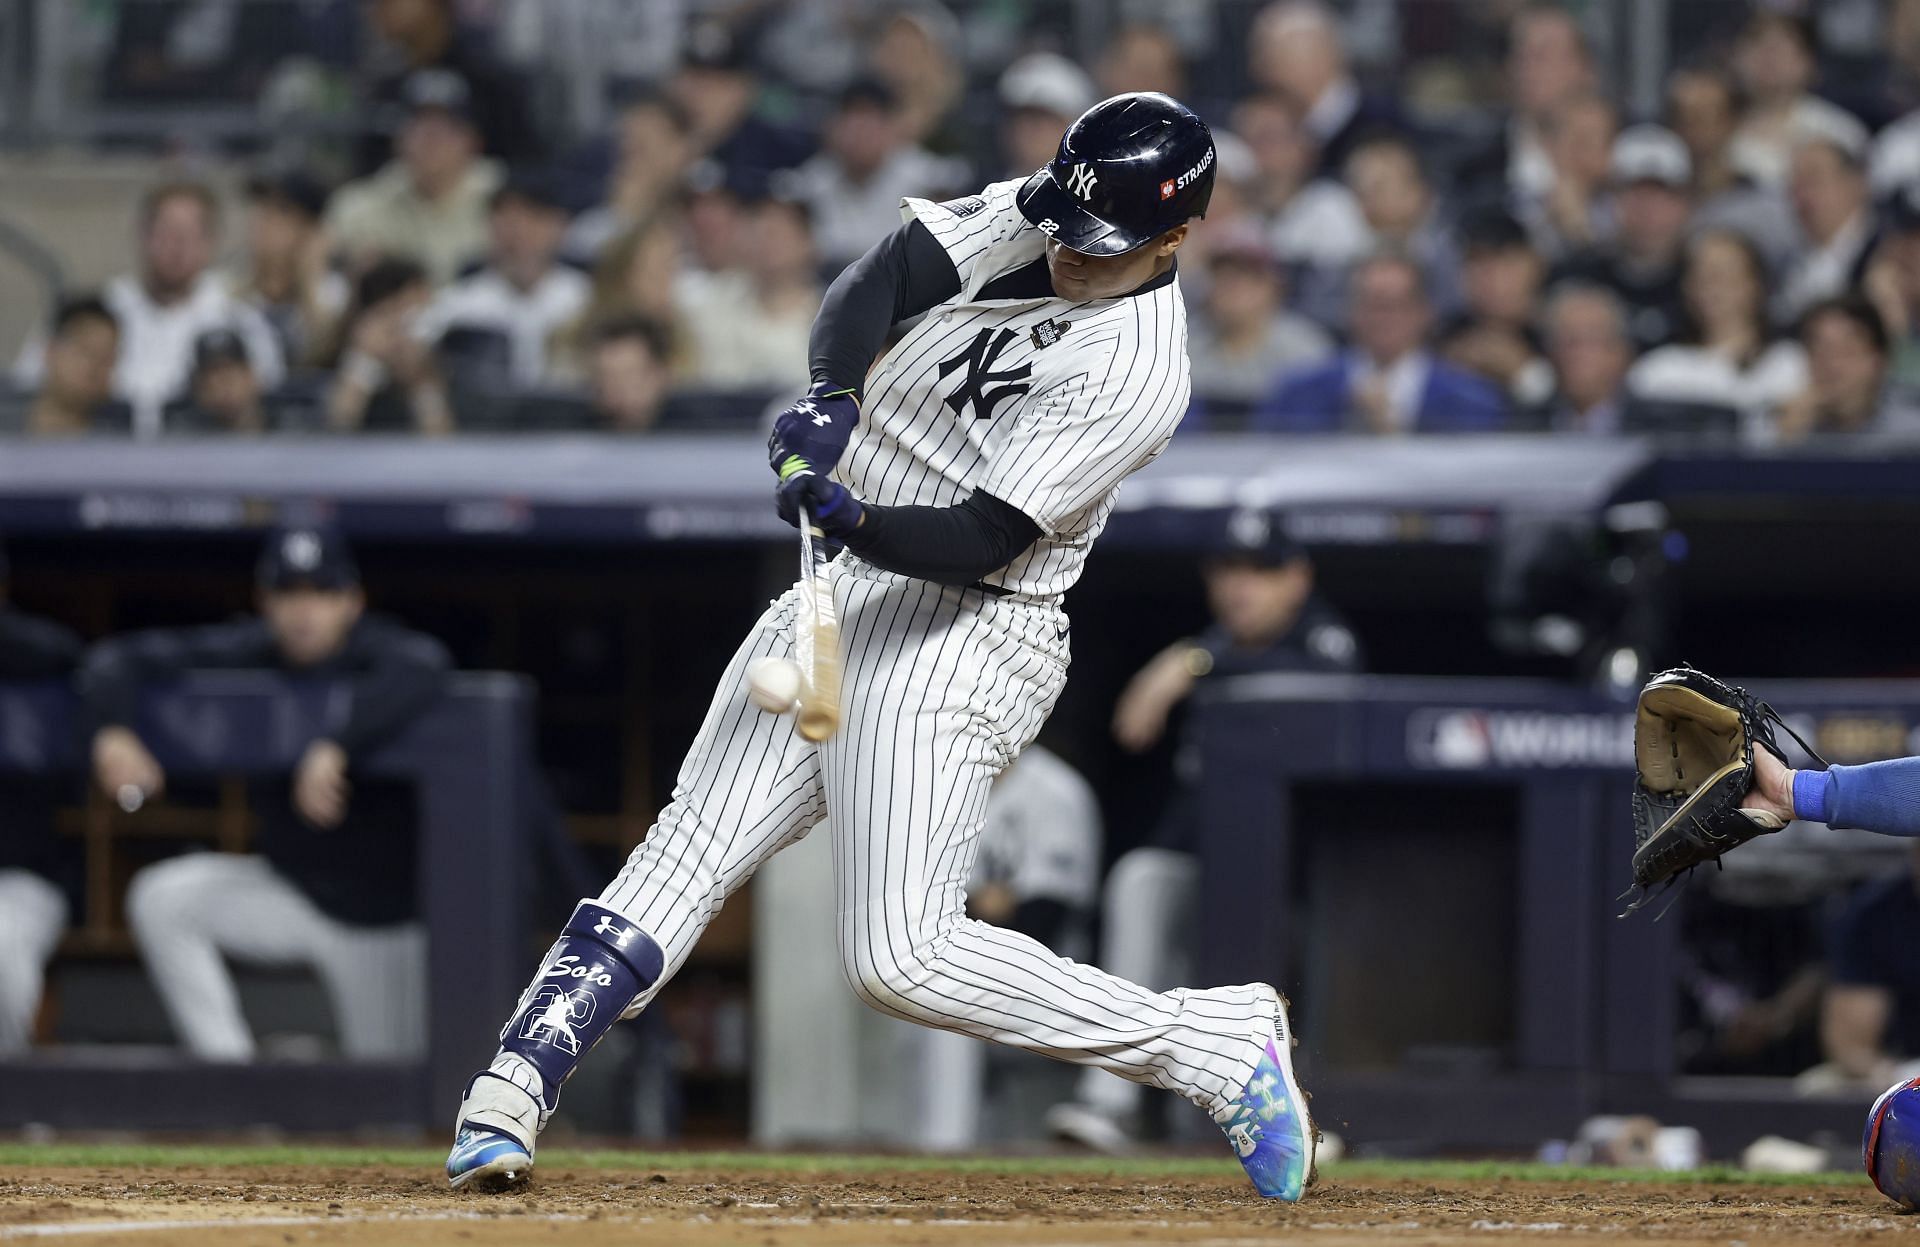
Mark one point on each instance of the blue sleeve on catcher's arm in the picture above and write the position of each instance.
(1879, 796)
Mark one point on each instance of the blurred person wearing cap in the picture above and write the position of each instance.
(629, 374)
(748, 326)
(330, 881)
(1493, 334)
(429, 204)
(652, 154)
(1549, 61)
(1313, 224)
(1296, 49)
(1403, 209)
(1848, 357)
(82, 349)
(40, 870)
(523, 295)
(717, 90)
(1574, 210)
(164, 307)
(1589, 349)
(1266, 618)
(416, 35)
(289, 276)
(225, 394)
(1040, 95)
(1242, 336)
(1776, 60)
(1827, 187)
(386, 377)
(1141, 56)
(1651, 176)
(1387, 381)
(866, 166)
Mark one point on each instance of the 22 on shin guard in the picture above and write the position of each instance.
(600, 964)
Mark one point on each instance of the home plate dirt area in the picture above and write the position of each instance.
(155, 1195)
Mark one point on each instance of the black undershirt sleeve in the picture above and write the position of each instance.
(947, 545)
(906, 273)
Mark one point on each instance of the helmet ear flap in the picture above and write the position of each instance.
(1890, 1145)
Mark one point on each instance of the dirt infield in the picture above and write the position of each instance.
(273, 1205)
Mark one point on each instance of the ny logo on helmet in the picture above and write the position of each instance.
(1082, 180)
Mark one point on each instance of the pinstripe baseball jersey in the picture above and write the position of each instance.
(1044, 403)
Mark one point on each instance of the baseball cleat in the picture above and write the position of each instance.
(1267, 1123)
(487, 1161)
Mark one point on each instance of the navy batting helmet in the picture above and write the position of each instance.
(1130, 169)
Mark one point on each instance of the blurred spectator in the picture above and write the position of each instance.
(1870, 1016)
(1705, 108)
(652, 160)
(523, 296)
(1726, 353)
(867, 165)
(1893, 283)
(1847, 358)
(1776, 61)
(1313, 223)
(1140, 57)
(1244, 337)
(747, 327)
(1296, 49)
(1403, 210)
(1895, 160)
(80, 356)
(1493, 333)
(387, 379)
(429, 205)
(915, 52)
(174, 298)
(1590, 351)
(1828, 189)
(1387, 382)
(419, 35)
(1574, 211)
(331, 883)
(1041, 94)
(39, 883)
(638, 275)
(718, 92)
(288, 276)
(715, 220)
(225, 394)
(629, 374)
(1266, 617)
(1549, 62)
(1650, 176)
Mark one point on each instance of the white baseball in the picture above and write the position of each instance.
(773, 683)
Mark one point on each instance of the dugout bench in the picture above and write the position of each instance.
(1541, 1006)
(467, 758)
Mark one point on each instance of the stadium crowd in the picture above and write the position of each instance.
(1744, 261)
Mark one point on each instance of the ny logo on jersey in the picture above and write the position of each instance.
(983, 387)
(1082, 180)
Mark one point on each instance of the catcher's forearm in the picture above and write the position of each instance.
(1879, 796)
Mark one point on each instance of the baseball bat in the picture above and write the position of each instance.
(817, 638)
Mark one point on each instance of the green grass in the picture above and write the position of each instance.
(161, 1156)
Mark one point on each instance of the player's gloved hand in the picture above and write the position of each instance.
(816, 428)
(836, 511)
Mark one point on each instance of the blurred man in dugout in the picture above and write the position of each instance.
(39, 871)
(330, 881)
(1266, 618)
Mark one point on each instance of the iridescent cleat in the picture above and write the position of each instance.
(1268, 1123)
(487, 1161)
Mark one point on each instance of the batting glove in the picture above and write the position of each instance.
(836, 511)
(816, 428)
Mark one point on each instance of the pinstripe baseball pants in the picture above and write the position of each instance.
(943, 687)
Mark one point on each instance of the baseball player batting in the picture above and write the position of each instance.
(967, 474)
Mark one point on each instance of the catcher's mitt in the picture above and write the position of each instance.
(1693, 742)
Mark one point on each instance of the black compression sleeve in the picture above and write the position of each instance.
(947, 545)
(906, 273)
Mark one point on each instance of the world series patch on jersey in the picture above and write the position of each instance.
(1045, 404)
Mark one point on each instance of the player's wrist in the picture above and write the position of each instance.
(1811, 795)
